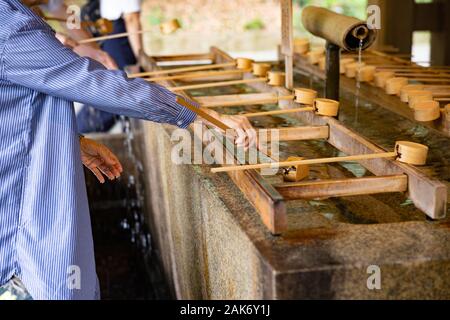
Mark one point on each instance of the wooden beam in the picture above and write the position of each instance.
(264, 198)
(343, 187)
(399, 31)
(220, 56)
(298, 133)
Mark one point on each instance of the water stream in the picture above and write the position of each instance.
(358, 82)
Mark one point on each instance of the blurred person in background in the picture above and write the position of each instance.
(124, 16)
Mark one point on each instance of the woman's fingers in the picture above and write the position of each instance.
(107, 171)
(240, 137)
(100, 160)
(111, 161)
(246, 134)
(98, 174)
(251, 133)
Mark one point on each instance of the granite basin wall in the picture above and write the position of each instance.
(204, 252)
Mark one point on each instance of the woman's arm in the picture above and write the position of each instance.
(34, 58)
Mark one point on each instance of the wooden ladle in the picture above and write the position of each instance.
(405, 151)
(239, 63)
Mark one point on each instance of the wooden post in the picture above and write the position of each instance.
(332, 81)
(395, 33)
(415, 16)
(287, 40)
(440, 46)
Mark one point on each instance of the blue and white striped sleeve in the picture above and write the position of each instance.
(34, 58)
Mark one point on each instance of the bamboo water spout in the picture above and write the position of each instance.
(339, 31)
(343, 31)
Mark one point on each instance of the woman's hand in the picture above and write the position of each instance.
(246, 136)
(100, 160)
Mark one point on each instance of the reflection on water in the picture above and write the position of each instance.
(384, 128)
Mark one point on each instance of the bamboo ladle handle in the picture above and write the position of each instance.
(204, 115)
(172, 26)
(197, 75)
(183, 69)
(275, 112)
(405, 151)
(48, 18)
(113, 36)
(423, 75)
(286, 164)
(430, 80)
(274, 78)
(246, 102)
(217, 84)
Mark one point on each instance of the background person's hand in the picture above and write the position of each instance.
(84, 50)
(98, 55)
(66, 40)
(100, 160)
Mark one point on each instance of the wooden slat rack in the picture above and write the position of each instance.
(269, 199)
